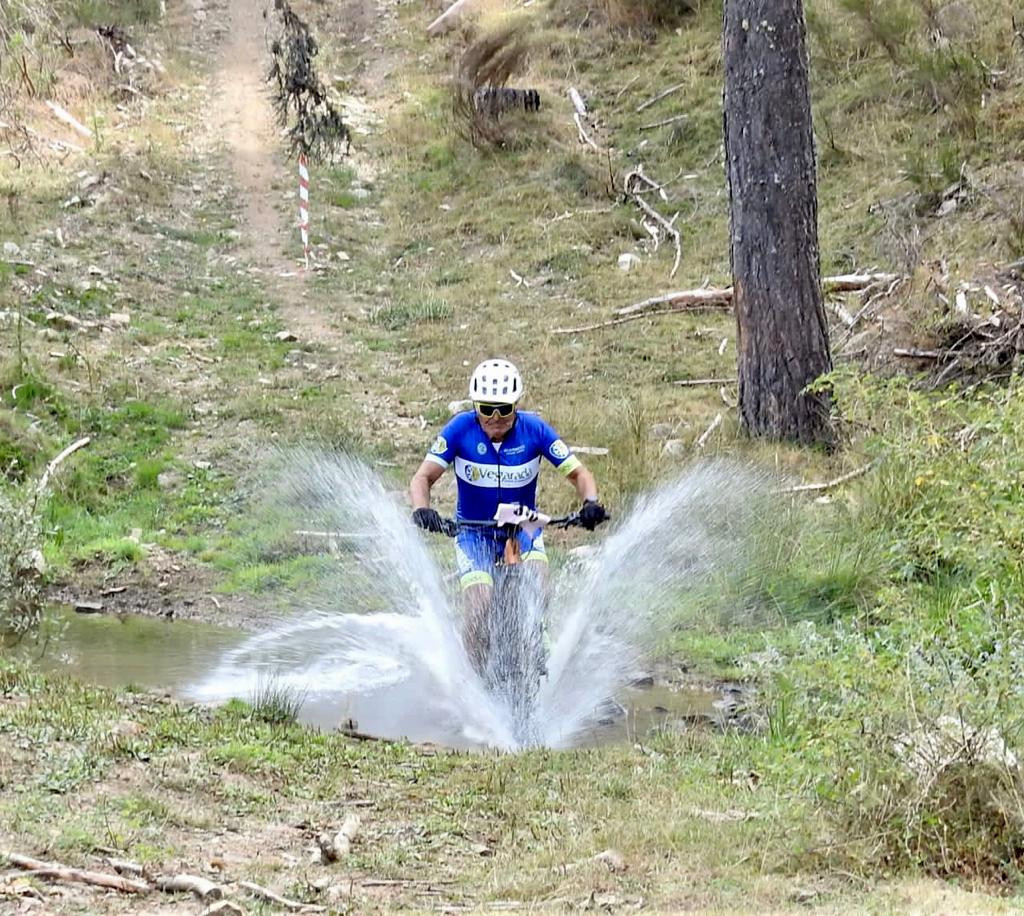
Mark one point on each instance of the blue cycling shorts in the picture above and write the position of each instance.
(477, 549)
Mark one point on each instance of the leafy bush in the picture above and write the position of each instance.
(21, 563)
(907, 712)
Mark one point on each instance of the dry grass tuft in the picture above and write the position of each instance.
(488, 64)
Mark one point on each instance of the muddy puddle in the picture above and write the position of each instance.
(177, 656)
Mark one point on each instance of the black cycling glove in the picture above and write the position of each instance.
(592, 514)
(429, 520)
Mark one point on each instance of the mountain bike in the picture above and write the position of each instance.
(516, 655)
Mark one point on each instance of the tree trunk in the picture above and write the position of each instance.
(782, 334)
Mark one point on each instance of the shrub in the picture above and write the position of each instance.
(21, 563)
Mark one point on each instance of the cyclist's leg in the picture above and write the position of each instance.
(535, 559)
(475, 555)
(535, 578)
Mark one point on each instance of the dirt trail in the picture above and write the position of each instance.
(242, 122)
(242, 116)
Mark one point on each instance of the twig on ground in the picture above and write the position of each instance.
(667, 225)
(661, 95)
(829, 484)
(672, 310)
(577, 102)
(618, 95)
(64, 115)
(579, 114)
(267, 894)
(694, 298)
(704, 436)
(55, 463)
(915, 353)
(190, 884)
(689, 382)
(446, 20)
(665, 123)
(78, 875)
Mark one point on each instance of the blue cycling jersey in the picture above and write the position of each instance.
(490, 473)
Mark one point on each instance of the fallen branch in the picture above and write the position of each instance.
(190, 884)
(637, 317)
(915, 353)
(704, 436)
(68, 118)
(688, 382)
(665, 123)
(578, 116)
(446, 20)
(667, 225)
(268, 895)
(78, 875)
(584, 136)
(577, 101)
(848, 283)
(53, 465)
(338, 846)
(829, 484)
(723, 295)
(661, 95)
(694, 298)
(588, 450)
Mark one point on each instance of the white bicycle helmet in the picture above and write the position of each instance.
(496, 381)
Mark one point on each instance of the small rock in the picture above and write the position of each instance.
(662, 431)
(223, 908)
(613, 859)
(359, 193)
(285, 336)
(455, 407)
(628, 261)
(121, 319)
(482, 849)
(168, 480)
(63, 321)
(674, 448)
(343, 256)
(11, 250)
(202, 465)
(88, 607)
(642, 680)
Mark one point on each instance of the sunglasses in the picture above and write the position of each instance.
(489, 411)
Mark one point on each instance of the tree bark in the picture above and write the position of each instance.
(782, 332)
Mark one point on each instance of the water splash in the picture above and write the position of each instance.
(381, 641)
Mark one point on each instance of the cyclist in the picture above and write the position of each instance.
(496, 450)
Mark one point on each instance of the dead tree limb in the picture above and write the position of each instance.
(661, 95)
(722, 296)
(693, 298)
(190, 884)
(665, 123)
(704, 436)
(672, 310)
(266, 894)
(53, 465)
(636, 177)
(849, 283)
(696, 382)
(446, 21)
(829, 484)
(78, 875)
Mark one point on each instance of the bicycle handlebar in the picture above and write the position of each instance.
(452, 525)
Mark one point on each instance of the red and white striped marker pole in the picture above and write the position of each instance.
(304, 206)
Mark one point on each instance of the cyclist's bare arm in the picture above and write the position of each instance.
(425, 477)
(584, 483)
